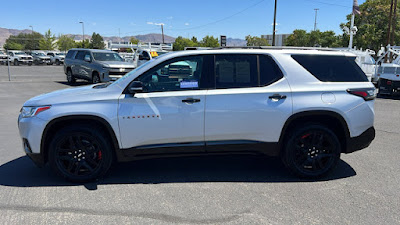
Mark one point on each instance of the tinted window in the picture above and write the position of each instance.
(70, 54)
(235, 71)
(269, 71)
(80, 55)
(332, 68)
(177, 75)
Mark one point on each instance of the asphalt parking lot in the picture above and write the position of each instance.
(364, 189)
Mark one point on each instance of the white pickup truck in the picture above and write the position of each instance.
(143, 55)
(3, 58)
(19, 57)
(388, 71)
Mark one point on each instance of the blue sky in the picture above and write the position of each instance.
(234, 18)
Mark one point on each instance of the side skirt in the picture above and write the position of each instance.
(198, 149)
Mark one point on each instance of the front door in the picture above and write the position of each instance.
(169, 112)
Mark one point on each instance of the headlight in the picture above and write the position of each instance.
(33, 111)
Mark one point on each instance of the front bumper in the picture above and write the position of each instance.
(360, 142)
(31, 130)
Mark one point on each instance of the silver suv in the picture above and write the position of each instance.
(305, 106)
(95, 65)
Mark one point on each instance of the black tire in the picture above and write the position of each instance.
(311, 151)
(29, 63)
(57, 62)
(16, 63)
(80, 153)
(70, 77)
(95, 78)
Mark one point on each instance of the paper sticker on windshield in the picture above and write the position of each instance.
(189, 84)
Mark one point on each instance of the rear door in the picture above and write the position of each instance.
(250, 103)
(77, 64)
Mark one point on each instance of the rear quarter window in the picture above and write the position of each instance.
(329, 68)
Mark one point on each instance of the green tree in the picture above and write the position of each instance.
(194, 40)
(97, 42)
(372, 25)
(65, 43)
(82, 44)
(47, 43)
(13, 46)
(298, 38)
(209, 41)
(181, 43)
(256, 41)
(27, 41)
(134, 40)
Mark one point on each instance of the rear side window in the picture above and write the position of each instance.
(332, 68)
(269, 71)
(70, 54)
(236, 71)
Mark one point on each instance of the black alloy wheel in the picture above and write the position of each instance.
(80, 154)
(312, 151)
(95, 78)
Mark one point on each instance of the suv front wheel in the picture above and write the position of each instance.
(80, 153)
(70, 77)
(311, 151)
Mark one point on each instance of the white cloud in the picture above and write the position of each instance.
(170, 17)
(151, 23)
(94, 23)
(187, 24)
(159, 24)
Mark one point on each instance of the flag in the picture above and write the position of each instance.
(356, 9)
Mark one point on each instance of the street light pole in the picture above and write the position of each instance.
(273, 31)
(315, 23)
(162, 32)
(83, 34)
(32, 37)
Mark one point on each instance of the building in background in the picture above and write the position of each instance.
(279, 39)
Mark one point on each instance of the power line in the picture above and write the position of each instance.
(327, 3)
(217, 21)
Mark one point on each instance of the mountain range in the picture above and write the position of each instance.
(152, 37)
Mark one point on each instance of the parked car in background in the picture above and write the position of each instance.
(95, 65)
(144, 55)
(3, 58)
(19, 57)
(40, 57)
(56, 57)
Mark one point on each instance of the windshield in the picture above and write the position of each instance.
(107, 56)
(40, 54)
(19, 53)
(60, 53)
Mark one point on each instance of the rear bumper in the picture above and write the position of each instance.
(360, 142)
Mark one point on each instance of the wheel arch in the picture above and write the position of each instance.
(60, 122)
(330, 119)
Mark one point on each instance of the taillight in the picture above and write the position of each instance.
(389, 82)
(366, 93)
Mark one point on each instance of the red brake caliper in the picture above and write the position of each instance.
(99, 155)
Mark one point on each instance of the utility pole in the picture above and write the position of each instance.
(273, 29)
(119, 36)
(315, 22)
(83, 34)
(389, 29)
(162, 32)
(394, 23)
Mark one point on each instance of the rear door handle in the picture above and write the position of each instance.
(277, 96)
(191, 100)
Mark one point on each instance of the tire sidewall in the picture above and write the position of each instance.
(102, 139)
(289, 152)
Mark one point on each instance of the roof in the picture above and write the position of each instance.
(92, 50)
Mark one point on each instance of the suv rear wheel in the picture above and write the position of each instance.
(311, 151)
(80, 153)
(70, 77)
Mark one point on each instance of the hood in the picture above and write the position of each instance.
(24, 56)
(74, 95)
(43, 57)
(113, 64)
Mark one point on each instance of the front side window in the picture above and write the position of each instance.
(177, 75)
(80, 55)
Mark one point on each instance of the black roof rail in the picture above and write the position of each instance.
(277, 48)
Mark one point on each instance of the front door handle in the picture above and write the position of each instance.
(277, 97)
(191, 100)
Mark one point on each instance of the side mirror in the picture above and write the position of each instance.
(135, 87)
(87, 58)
